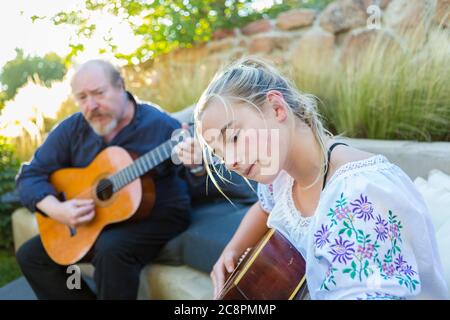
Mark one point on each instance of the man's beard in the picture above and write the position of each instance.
(104, 130)
(100, 128)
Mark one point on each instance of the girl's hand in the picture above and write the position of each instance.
(224, 265)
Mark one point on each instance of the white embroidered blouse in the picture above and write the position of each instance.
(371, 236)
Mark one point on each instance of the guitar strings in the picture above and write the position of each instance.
(91, 190)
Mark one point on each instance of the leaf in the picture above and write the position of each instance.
(352, 275)
(341, 231)
(349, 232)
(347, 270)
(353, 265)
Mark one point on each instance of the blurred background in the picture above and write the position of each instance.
(380, 68)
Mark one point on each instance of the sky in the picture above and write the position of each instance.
(38, 38)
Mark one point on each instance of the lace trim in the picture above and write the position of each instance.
(300, 222)
(355, 166)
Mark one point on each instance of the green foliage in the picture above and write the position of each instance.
(9, 269)
(165, 25)
(16, 72)
(8, 169)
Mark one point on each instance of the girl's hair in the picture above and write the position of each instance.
(249, 80)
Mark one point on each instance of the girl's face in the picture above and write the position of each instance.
(251, 142)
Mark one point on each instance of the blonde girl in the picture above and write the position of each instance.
(357, 219)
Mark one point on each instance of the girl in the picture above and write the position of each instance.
(356, 218)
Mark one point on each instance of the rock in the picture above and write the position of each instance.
(409, 20)
(343, 15)
(220, 45)
(223, 33)
(294, 19)
(268, 43)
(257, 27)
(360, 40)
(442, 15)
(364, 4)
(403, 14)
(315, 44)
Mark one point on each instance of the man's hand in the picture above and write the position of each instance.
(189, 151)
(71, 212)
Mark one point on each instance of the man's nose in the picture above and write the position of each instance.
(90, 103)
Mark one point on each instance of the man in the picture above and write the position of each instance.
(109, 116)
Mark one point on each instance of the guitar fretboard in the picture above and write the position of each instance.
(146, 162)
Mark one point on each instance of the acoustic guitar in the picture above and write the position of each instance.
(122, 188)
(272, 270)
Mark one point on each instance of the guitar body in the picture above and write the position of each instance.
(66, 245)
(273, 270)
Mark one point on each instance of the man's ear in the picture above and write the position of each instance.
(276, 102)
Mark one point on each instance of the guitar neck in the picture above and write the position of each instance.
(146, 162)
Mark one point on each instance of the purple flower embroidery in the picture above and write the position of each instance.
(366, 252)
(322, 236)
(369, 251)
(388, 269)
(341, 213)
(362, 208)
(403, 267)
(342, 250)
(381, 228)
(393, 228)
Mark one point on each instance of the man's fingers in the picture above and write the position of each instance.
(86, 218)
(185, 125)
(83, 210)
(82, 202)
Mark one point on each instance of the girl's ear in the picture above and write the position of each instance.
(276, 102)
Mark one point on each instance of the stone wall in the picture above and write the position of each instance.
(336, 34)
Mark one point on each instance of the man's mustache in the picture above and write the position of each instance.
(97, 113)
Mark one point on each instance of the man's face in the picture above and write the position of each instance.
(101, 103)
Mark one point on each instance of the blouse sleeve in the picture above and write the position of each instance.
(265, 196)
(365, 240)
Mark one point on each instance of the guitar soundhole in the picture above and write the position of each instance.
(104, 189)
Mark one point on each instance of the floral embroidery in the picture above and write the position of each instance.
(403, 267)
(271, 189)
(381, 228)
(362, 208)
(355, 249)
(322, 236)
(342, 250)
(329, 278)
(380, 296)
(265, 203)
